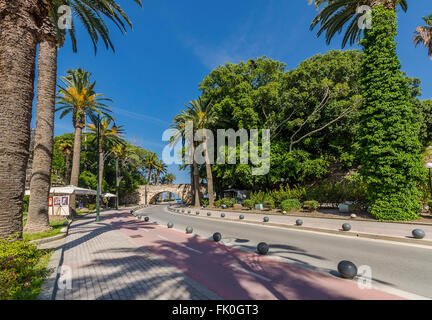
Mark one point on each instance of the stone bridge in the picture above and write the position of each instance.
(183, 191)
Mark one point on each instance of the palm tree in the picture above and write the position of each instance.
(338, 13)
(108, 139)
(50, 38)
(77, 96)
(201, 112)
(66, 148)
(18, 41)
(424, 35)
(168, 178)
(179, 124)
(160, 168)
(150, 162)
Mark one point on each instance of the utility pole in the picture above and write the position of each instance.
(117, 184)
(98, 166)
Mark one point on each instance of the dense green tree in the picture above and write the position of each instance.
(389, 129)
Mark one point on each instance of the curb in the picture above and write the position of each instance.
(300, 216)
(51, 239)
(328, 231)
(48, 286)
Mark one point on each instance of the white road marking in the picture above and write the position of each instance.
(191, 249)
(256, 275)
(163, 238)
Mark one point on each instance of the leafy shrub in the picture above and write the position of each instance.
(311, 205)
(204, 202)
(91, 207)
(290, 204)
(17, 267)
(269, 204)
(288, 193)
(26, 203)
(248, 203)
(229, 202)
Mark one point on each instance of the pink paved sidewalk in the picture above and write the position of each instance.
(235, 274)
(398, 230)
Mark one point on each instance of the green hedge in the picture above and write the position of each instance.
(311, 205)
(249, 204)
(290, 204)
(18, 261)
(389, 129)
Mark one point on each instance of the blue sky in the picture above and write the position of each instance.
(157, 67)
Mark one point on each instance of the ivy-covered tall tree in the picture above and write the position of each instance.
(389, 129)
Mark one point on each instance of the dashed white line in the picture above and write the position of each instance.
(256, 275)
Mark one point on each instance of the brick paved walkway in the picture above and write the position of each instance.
(106, 264)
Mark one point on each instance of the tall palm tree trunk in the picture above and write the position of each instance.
(196, 184)
(148, 183)
(67, 160)
(40, 183)
(18, 41)
(209, 174)
(76, 161)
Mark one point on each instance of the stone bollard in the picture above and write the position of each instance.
(347, 269)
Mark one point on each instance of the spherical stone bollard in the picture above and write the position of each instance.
(189, 211)
(266, 219)
(418, 234)
(241, 217)
(347, 269)
(189, 229)
(197, 213)
(223, 206)
(263, 248)
(299, 222)
(217, 237)
(170, 225)
(146, 219)
(131, 212)
(346, 227)
(222, 215)
(208, 214)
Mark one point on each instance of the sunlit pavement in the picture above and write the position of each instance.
(237, 274)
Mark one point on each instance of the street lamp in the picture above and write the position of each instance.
(429, 166)
(98, 169)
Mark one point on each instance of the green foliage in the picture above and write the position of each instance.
(18, 261)
(204, 202)
(229, 202)
(290, 204)
(217, 203)
(389, 130)
(26, 203)
(249, 203)
(261, 94)
(269, 204)
(285, 193)
(260, 197)
(311, 205)
(334, 193)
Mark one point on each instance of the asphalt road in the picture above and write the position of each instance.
(394, 265)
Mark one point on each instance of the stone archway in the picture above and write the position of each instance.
(184, 191)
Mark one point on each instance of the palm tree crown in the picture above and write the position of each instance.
(77, 96)
(424, 35)
(337, 13)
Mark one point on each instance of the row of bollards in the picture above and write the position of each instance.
(346, 227)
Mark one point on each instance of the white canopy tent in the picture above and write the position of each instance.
(69, 190)
(108, 195)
